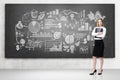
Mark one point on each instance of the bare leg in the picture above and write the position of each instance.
(94, 65)
(94, 62)
(101, 63)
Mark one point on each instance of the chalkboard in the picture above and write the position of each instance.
(56, 30)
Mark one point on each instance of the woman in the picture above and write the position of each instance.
(99, 33)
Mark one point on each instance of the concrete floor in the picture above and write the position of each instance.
(57, 75)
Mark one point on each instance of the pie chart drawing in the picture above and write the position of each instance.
(69, 39)
(34, 27)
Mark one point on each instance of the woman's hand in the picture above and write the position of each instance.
(99, 33)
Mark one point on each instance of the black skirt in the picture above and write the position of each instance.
(98, 50)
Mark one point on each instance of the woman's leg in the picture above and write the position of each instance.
(94, 62)
(94, 65)
(101, 63)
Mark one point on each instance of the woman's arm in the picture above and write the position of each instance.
(94, 33)
(102, 34)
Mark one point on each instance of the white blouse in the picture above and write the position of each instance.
(99, 33)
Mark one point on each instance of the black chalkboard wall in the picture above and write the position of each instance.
(56, 30)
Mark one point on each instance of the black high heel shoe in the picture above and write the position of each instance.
(94, 72)
(100, 72)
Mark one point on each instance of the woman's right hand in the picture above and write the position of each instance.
(99, 33)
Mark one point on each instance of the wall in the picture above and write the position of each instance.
(79, 63)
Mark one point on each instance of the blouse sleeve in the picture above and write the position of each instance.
(103, 34)
(94, 33)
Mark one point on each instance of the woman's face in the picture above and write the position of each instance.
(100, 22)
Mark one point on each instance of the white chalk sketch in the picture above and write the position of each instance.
(56, 30)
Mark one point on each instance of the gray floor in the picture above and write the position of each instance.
(57, 75)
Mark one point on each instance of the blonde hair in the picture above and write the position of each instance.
(101, 20)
